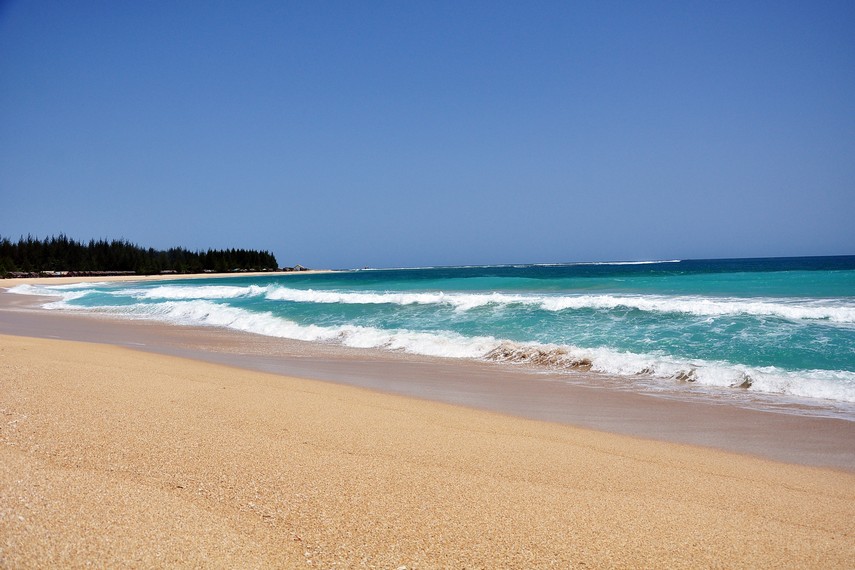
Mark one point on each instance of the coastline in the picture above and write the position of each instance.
(580, 399)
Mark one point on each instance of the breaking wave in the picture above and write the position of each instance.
(193, 292)
(207, 313)
(831, 385)
(53, 290)
(826, 384)
(829, 322)
(834, 311)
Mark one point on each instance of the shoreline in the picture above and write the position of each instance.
(581, 400)
(742, 389)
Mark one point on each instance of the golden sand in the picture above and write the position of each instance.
(120, 458)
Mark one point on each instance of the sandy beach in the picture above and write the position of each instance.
(114, 456)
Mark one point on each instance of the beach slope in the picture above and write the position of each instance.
(117, 457)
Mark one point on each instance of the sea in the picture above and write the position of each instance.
(772, 329)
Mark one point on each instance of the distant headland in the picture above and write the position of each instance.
(60, 256)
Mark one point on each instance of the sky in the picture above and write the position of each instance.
(402, 134)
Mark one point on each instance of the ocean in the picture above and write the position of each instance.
(780, 328)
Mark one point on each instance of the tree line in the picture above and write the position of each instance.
(59, 254)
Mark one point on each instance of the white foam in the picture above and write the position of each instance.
(65, 293)
(627, 262)
(207, 313)
(833, 385)
(461, 301)
(826, 384)
(192, 292)
(36, 290)
(357, 298)
(835, 311)
(521, 265)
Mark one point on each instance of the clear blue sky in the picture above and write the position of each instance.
(344, 134)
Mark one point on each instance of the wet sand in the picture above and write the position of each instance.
(122, 456)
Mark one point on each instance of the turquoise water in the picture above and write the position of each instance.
(776, 326)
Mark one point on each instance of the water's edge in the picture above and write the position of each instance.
(580, 401)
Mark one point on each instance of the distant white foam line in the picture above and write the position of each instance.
(833, 311)
(520, 265)
(460, 301)
(578, 263)
(193, 292)
(628, 262)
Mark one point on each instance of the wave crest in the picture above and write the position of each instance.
(555, 357)
(197, 306)
(837, 311)
(826, 384)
